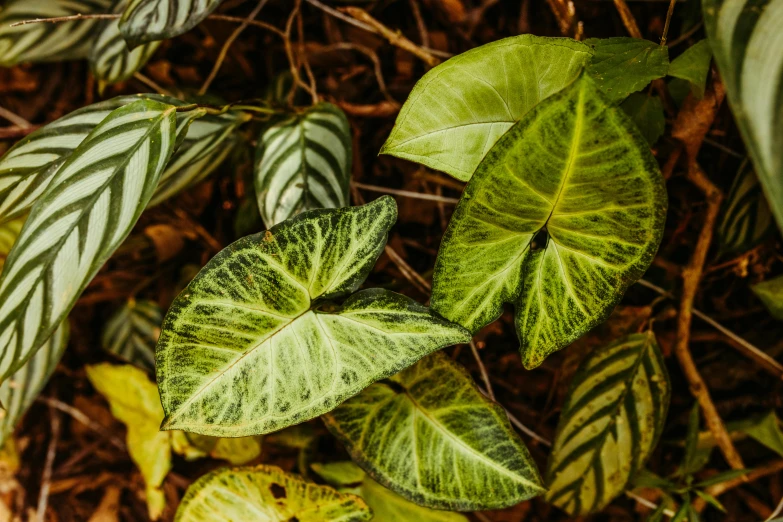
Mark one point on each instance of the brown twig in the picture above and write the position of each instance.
(628, 20)
(80, 417)
(753, 475)
(369, 53)
(406, 193)
(46, 477)
(565, 12)
(420, 25)
(410, 274)
(669, 14)
(482, 369)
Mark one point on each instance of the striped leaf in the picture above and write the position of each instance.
(266, 494)
(745, 39)
(110, 59)
(302, 163)
(151, 20)
(431, 436)
(610, 423)
(133, 330)
(46, 42)
(248, 347)
(563, 214)
(8, 233)
(85, 213)
(746, 219)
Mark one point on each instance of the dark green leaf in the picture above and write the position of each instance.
(624, 65)
(771, 294)
(721, 477)
(690, 461)
(693, 66)
(646, 111)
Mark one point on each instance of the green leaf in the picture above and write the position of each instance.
(646, 111)
(765, 429)
(46, 42)
(714, 502)
(266, 494)
(610, 423)
(576, 168)
(658, 514)
(110, 59)
(249, 347)
(431, 436)
(682, 514)
(340, 474)
(721, 477)
(236, 451)
(85, 213)
(150, 20)
(691, 461)
(745, 38)
(624, 65)
(771, 294)
(745, 220)
(458, 110)
(9, 231)
(132, 331)
(302, 163)
(693, 66)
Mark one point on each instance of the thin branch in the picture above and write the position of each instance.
(646, 503)
(410, 274)
(628, 20)
(80, 417)
(369, 53)
(668, 22)
(14, 118)
(406, 193)
(46, 477)
(71, 18)
(778, 511)
(483, 370)
(149, 82)
(760, 472)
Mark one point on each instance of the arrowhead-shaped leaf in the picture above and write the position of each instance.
(150, 20)
(266, 494)
(430, 435)
(459, 109)
(247, 349)
(624, 65)
(132, 331)
(574, 168)
(610, 423)
(302, 163)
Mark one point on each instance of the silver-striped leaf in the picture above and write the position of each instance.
(745, 40)
(9, 231)
(46, 42)
(431, 436)
(746, 219)
(85, 213)
(302, 163)
(610, 423)
(150, 20)
(110, 59)
(132, 331)
(250, 347)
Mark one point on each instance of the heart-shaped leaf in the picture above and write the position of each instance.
(132, 331)
(610, 423)
(85, 213)
(459, 109)
(624, 65)
(577, 169)
(247, 349)
(745, 39)
(745, 220)
(430, 435)
(46, 42)
(303, 162)
(151, 20)
(266, 494)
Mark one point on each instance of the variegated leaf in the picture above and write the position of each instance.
(431, 436)
(86, 211)
(746, 219)
(8, 233)
(302, 163)
(133, 330)
(150, 20)
(250, 347)
(266, 494)
(45, 42)
(610, 423)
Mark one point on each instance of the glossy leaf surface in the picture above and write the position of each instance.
(150, 20)
(624, 65)
(132, 331)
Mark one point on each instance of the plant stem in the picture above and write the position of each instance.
(668, 22)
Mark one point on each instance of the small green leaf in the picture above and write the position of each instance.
(236, 451)
(721, 477)
(266, 494)
(151, 20)
(575, 168)
(248, 349)
(714, 502)
(46, 42)
(458, 110)
(624, 65)
(646, 111)
(765, 429)
(682, 514)
(302, 163)
(418, 434)
(771, 294)
(610, 423)
(132, 331)
(340, 474)
(693, 66)
(691, 463)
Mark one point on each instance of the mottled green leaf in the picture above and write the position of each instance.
(431, 436)
(459, 109)
(624, 65)
(302, 163)
(745, 37)
(250, 346)
(610, 423)
(46, 42)
(150, 20)
(266, 494)
(646, 111)
(693, 66)
(771, 294)
(132, 331)
(576, 169)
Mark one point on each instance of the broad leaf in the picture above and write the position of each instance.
(624, 65)
(745, 220)
(132, 331)
(765, 429)
(459, 109)
(249, 348)
(610, 423)
(266, 494)
(577, 169)
(46, 42)
(693, 66)
(85, 213)
(430, 435)
(646, 111)
(745, 39)
(303, 162)
(771, 294)
(150, 20)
